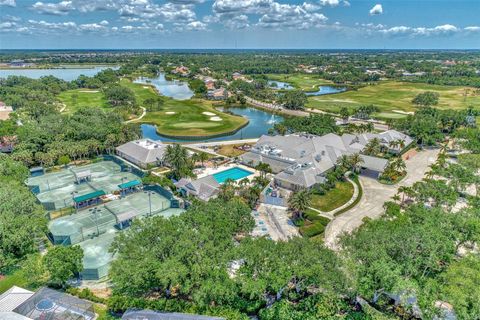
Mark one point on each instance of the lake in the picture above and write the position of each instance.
(259, 123)
(175, 89)
(279, 85)
(322, 90)
(67, 74)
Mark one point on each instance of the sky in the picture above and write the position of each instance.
(242, 24)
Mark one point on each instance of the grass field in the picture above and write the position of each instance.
(230, 150)
(334, 198)
(188, 118)
(185, 117)
(392, 97)
(82, 98)
(305, 82)
(14, 279)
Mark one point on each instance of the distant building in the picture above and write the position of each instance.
(237, 76)
(182, 71)
(217, 94)
(20, 64)
(5, 111)
(7, 143)
(157, 315)
(142, 153)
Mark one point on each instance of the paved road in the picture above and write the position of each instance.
(374, 196)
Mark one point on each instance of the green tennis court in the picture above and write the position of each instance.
(55, 190)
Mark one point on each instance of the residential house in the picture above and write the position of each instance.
(182, 71)
(142, 153)
(217, 94)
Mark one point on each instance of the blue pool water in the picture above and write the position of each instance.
(235, 173)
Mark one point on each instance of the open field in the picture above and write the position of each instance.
(334, 198)
(82, 98)
(391, 96)
(305, 82)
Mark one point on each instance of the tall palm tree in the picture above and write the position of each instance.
(177, 158)
(356, 162)
(373, 147)
(399, 165)
(264, 168)
(344, 162)
(203, 156)
(299, 203)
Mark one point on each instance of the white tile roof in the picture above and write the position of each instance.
(13, 297)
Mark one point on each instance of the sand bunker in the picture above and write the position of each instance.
(215, 118)
(89, 91)
(146, 87)
(170, 112)
(208, 113)
(403, 112)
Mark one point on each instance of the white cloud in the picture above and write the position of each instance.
(9, 3)
(332, 3)
(242, 6)
(61, 8)
(196, 26)
(446, 29)
(472, 28)
(237, 22)
(376, 10)
(292, 16)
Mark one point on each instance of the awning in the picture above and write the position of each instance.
(88, 196)
(130, 184)
(126, 215)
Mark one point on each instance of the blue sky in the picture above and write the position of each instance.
(315, 24)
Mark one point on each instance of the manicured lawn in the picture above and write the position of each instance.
(314, 225)
(334, 198)
(392, 96)
(82, 98)
(306, 82)
(14, 279)
(184, 117)
(230, 150)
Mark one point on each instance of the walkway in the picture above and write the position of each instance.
(378, 125)
(139, 118)
(331, 214)
(375, 195)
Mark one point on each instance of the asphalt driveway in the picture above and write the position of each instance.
(375, 195)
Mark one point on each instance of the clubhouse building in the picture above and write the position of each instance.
(300, 161)
(142, 153)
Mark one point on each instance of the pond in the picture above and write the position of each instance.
(259, 123)
(279, 85)
(322, 90)
(175, 89)
(67, 74)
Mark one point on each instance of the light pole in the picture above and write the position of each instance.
(94, 212)
(149, 201)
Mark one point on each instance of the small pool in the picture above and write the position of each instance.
(234, 173)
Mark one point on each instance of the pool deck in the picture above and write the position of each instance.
(211, 171)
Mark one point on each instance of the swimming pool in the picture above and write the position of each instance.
(234, 173)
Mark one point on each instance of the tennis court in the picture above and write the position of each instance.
(89, 223)
(55, 190)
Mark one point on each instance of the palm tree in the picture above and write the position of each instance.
(344, 162)
(373, 147)
(299, 203)
(396, 198)
(399, 165)
(355, 162)
(177, 158)
(203, 156)
(264, 168)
